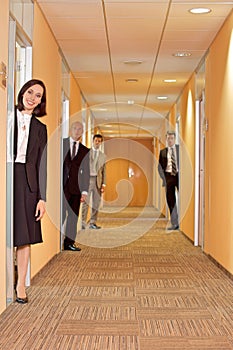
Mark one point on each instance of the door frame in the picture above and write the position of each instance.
(65, 117)
(199, 211)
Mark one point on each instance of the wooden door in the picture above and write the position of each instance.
(126, 184)
(129, 183)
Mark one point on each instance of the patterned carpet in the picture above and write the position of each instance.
(157, 292)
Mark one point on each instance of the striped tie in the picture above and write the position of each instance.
(173, 159)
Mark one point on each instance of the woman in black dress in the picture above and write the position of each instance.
(30, 163)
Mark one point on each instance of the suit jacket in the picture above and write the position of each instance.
(101, 169)
(76, 172)
(162, 166)
(36, 156)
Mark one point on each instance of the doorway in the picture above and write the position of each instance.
(129, 170)
(127, 184)
(19, 71)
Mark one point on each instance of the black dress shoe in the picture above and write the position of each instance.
(94, 227)
(173, 227)
(21, 300)
(72, 247)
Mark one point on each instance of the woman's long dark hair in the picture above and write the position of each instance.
(40, 110)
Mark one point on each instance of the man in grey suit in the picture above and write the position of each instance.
(97, 182)
(169, 172)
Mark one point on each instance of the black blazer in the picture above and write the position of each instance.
(76, 172)
(36, 156)
(163, 162)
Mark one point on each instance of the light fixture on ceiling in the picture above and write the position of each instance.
(200, 10)
(182, 54)
(130, 102)
(133, 62)
(96, 109)
(131, 80)
(162, 97)
(169, 80)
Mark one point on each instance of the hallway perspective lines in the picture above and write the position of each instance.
(158, 292)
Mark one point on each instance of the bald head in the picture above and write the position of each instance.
(76, 130)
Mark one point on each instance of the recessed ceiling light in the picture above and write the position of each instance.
(130, 102)
(182, 54)
(162, 97)
(131, 80)
(96, 109)
(78, 77)
(200, 10)
(133, 62)
(169, 80)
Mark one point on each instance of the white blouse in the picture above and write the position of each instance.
(23, 121)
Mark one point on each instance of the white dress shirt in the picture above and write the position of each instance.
(23, 121)
(93, 160)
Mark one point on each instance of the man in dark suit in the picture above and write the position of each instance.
(76, 175)
(169, 172)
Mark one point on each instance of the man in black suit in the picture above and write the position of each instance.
(169, 172)
(76, 176)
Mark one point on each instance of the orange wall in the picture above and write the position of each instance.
(219, 152)
(4, 18)
(172, 117)
(47, 66)
(75, 100)
(187, 158)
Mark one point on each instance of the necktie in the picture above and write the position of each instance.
(94, 160)
(173, 159)
(73, 150)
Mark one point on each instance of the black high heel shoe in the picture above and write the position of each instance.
(20, 300)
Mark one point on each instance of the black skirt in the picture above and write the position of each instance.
(26, 229)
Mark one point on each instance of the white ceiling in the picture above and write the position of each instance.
(98, 36)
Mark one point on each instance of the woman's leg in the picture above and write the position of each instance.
(22, 257)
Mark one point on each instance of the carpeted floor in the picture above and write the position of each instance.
(153, 290)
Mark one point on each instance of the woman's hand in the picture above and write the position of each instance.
(40, 210)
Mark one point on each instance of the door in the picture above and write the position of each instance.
(129, 172)
(126, 184)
